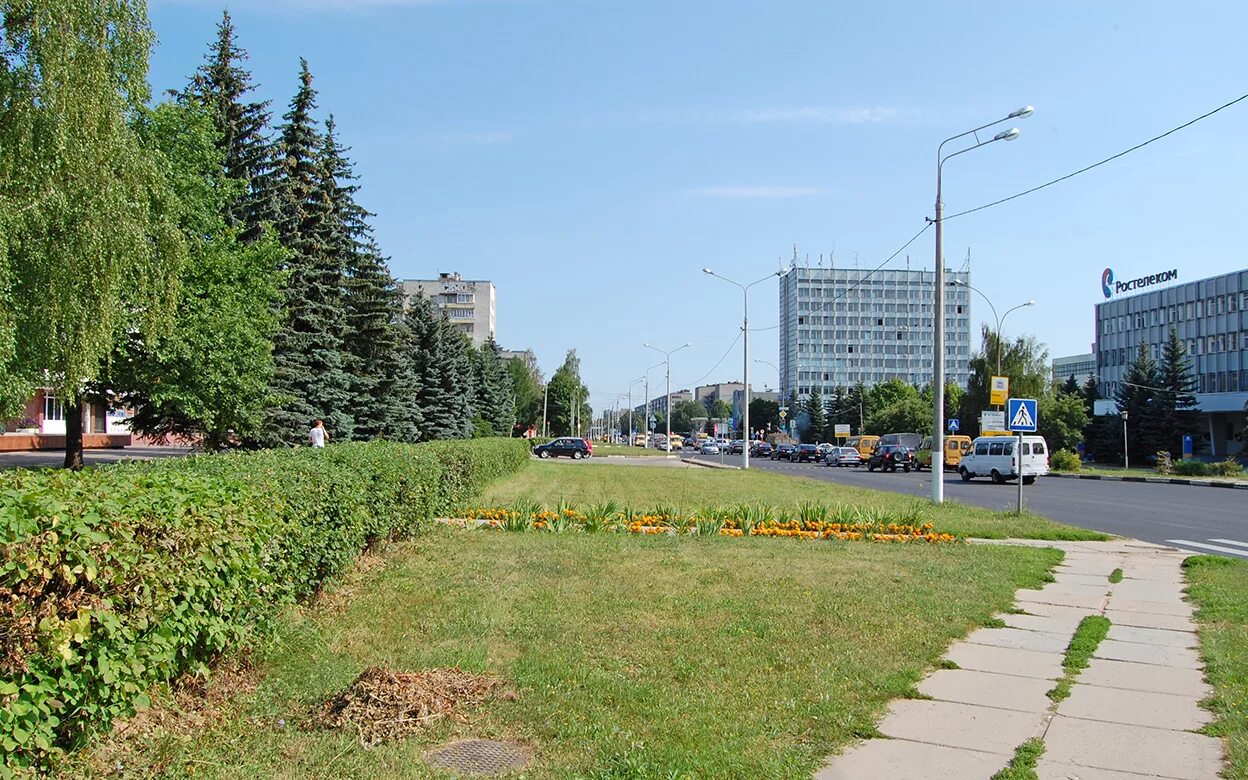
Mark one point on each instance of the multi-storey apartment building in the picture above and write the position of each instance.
(469, 304)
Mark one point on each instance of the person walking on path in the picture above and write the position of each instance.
(318, 435)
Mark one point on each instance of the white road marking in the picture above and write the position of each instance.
(1230, 541)
(1214, 547)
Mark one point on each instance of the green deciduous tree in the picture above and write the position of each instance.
(568, 396)
(1062, 420)
(89, 229)
(526, 388)
(764, 415)
(209, 376)
(1024, 360)
(686, 411)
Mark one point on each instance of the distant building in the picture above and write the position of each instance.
(659, 402)
(469, 304)
(525, 356)
(842, 326)
(755, 395)
(710, 393)
(1081, 367)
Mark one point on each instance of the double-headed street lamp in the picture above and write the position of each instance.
(745, 355)
(1000, 319)
(667, 359)
(938, 313)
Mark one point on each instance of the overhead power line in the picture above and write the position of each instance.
(1123, 153)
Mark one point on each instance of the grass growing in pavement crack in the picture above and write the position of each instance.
(1092, 629)
(1115, 576)
(945, 663)
(994, 622)
(1023, 767)
(1017, 611)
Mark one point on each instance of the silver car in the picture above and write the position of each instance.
(843, 456)
(709, 447)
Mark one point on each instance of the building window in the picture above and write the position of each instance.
(1221, 305)
(53, 409)
(1230, 303)
(463, 298)
(1212, 344)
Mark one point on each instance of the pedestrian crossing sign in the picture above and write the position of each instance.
(1021, 413)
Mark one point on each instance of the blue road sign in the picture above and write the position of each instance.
(1021, 414)
(954, 425)
(1187, 445)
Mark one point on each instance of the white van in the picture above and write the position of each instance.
(993, 456)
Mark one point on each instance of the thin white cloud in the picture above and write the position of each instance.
(824, 115)
(766, 191)
(469, 138)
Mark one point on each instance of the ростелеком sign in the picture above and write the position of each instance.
(1109, 286)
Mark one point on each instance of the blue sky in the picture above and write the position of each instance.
(590, 157)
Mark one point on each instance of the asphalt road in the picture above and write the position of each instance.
(1196, 519)
(38, 459)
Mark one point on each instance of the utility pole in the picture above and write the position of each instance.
(1126, 463)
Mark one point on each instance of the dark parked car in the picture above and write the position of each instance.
(737, 447)
(890, 457)
(806, 453)
(784, 452)
(570, 446)
(760, 449)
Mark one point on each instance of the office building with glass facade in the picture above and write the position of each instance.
(1211, 318)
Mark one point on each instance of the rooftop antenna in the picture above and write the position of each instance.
(793, 262)
(821, 260)
(907, 263)
(966, 264)
(856, 266)
(832, 256)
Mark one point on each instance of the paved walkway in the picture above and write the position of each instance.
(1131, 714)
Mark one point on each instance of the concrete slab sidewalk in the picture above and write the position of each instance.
(1131, 713)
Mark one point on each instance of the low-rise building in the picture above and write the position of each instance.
(1081, 367)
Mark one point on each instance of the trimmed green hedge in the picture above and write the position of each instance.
(115, 579)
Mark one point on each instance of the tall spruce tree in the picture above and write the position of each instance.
(816, 416)
(431, 363)
(1070, 386)
(495, 400)
(1138, 398)
(309, 379)
(222, 84)
(460, 382)
(373, 307)
(1178, 413)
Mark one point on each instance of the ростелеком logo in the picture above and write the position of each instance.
(1107, 282)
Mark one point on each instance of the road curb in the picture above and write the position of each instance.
(1155, 480)
(704, 464)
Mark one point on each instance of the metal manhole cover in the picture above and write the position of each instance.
(480, 757)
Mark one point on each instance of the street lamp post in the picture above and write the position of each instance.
(1126, 461)
(938, 309)
(545, 399)
(667, 414)
(1000, 320)
(745, 357)
(631, 434)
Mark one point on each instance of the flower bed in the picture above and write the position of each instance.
(806, 521)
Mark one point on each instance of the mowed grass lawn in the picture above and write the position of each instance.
(1219, 588)
(630, 656)
(688, 489)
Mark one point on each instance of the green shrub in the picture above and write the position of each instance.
(115, 579)
(1064, 460)
(1226, 468)
(1190, 468)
